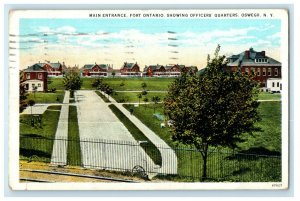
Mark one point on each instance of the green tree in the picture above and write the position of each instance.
(144, 85)
(31, 103)
(139, 97)
(213, 108)
(155, 99)
(146, 101)
(72, 82)
(113, 74)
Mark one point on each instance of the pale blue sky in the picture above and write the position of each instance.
(119, 40)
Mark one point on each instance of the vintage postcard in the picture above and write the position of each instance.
(148, 99)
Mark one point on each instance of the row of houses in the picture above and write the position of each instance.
(133, 69)
(267, 70)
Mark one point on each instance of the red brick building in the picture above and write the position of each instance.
(251, 61)
(35, 78)
(130, 69)
(95, 70)
(53, 69)
(168, 71)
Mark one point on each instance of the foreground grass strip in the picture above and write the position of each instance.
(40, 97)
(36, 140)
(223, 165)
(102, 96)
(149, 147)
(74, 151)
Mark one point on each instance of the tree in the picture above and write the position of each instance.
(113, 74)
(214, 108)
(31, 103)
(146, 101)
(72, 81)
(139, 97)
(155, 99)
(144, 85)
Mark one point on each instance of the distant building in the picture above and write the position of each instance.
(53, 69)
(96, 70)
(274, 85)
(168, 71)
(251, 61)
(130, 69)
(35, 78)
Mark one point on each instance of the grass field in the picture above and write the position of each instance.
(223, 165)
(130, 84)
(131, 97)
(269, 96)
(37, 140)
(149, 148)
(74, 151)
(40, 97)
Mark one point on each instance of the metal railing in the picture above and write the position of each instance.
(232, 166)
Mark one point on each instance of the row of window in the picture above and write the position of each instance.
(264, 71)
(261, 60)
(40, 76)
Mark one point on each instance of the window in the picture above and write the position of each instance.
(258, 72)
(277, 84)
(246, 71)
(39, 84)
(273, 84)
(264, 72)
(40, 76)
(276, 72)
(269, 71)
(264, 60)
(28, 76)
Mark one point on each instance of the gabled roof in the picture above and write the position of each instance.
(243, 59)
(90, 66)
(129, 65)
(35, 67)
(53, 65)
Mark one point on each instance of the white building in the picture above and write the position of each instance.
(34, 85)
(274, 84)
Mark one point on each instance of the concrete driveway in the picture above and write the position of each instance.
(105, 141)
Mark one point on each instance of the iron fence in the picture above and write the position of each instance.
(177, 163)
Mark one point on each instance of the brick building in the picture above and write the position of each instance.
(251, 61)
(96, 70)
(130, 69)
(35, 78)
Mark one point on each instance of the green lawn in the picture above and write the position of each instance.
(37, 140)
(131, 97)
(40, 97)
(130, 84)
(269, 96)
(74, 151)
(222, 164)
(149, 147)
(56, 83)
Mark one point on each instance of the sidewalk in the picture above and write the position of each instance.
(169, 158)
(59, 152)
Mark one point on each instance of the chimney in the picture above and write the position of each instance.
(95, 63)
(39, 62)
(247, 54)
(263, 53)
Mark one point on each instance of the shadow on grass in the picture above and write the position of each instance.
(34, 136)
(32, 152)
(253, 154)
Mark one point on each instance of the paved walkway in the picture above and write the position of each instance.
(59, 152)
(169, 158)
(36, 109)
(105, 141)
